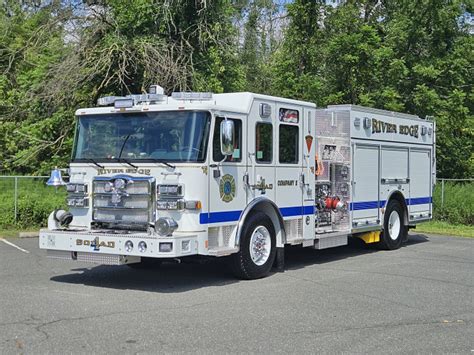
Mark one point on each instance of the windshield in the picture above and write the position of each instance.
(169, 136)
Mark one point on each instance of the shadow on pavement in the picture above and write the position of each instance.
(172, 277)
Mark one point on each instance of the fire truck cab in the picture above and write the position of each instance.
(240, 175)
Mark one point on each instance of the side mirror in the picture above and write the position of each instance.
(227, 137)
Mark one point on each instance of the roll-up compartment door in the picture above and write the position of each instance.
(420, 183)
(365, 194)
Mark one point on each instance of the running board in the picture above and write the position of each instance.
(222, 251)
(330, 241)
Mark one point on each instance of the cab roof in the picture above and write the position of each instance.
(239, 102)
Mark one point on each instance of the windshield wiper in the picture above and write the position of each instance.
(163, 162)
(95, 163)
(123, 146)
(119, 159)
(128, 162)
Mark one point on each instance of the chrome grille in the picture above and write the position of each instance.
(125, 204)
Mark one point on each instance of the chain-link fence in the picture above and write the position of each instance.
(453, 201)
(443, 183)
(27, 201)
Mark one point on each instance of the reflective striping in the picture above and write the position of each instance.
(234, 216)
(296, 211)
(418, 200)
(368, 205)
(218, 217)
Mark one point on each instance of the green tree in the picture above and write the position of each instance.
(414, 57)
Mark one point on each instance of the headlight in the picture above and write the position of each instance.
(166, 247)
(170, 204)
(119, 183)
(128, 246)
(165, 226)
(170, 190)
(76, 188)
(178, 205)
(108, 187)
(75, 201)
(142, 247)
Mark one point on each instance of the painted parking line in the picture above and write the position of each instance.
(14, 245)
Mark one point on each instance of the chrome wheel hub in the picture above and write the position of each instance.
(260, 245)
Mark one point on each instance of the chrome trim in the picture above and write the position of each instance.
(246, 211)
(151, 179)
(120, 193)
(151, 200)
(120, 208)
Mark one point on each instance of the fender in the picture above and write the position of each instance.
(266, 205)
(398, 195)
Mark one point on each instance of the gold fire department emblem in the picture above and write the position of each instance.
(227, 188)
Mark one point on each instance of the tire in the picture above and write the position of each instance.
(257, 251)
(394, 229)
(146, 263)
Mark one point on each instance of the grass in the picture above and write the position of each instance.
(445, 228)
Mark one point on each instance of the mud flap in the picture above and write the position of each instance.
(279, 263)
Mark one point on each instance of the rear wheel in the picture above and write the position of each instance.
(394, 229)
(257, 248)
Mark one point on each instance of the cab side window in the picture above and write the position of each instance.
(288, 139)
(264, 142)
(216, 143)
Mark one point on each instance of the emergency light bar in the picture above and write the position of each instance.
(192, 95)
(129, 100)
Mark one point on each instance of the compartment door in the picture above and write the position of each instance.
(420, 184)
(365, 191)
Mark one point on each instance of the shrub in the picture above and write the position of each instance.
(35, 202)
(458, 206)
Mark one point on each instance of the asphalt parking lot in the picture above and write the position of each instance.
(349, 299)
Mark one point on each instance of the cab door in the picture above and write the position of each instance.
(227, 192)
(288, 174)
(261, 151)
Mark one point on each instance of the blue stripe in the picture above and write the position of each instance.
(233, 216)
(419, 201)
(308, 210)
(368, 205)
(217, 217)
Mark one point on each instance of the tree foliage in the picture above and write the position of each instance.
(58, 55)
(407, 56)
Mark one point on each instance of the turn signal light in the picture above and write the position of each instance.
(193, 205)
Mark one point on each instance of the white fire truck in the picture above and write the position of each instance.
(240, 175)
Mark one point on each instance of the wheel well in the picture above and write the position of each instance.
(268, 207)
(398, 196)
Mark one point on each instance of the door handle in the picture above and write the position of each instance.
(245, 179)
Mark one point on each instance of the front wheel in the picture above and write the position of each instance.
(257, 248)
(394, 229)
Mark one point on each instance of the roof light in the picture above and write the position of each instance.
(108, 100)
(123, 103)
(156, 90)
(129, 100)
(192, 95)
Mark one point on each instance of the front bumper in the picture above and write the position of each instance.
(111, 243)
